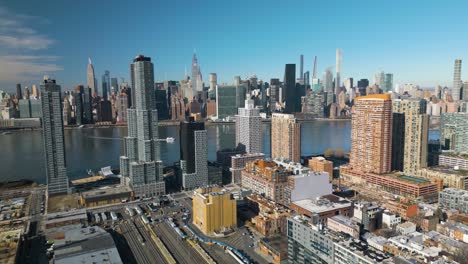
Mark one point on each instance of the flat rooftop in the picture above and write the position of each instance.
(413, 179)
(76, 244)
(110, 190)
(323, 204)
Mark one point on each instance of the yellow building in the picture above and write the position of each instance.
(214, 210)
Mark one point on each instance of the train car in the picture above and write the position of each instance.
(104, 217)
(129, 211)
(180, 233)
(97, 218)
(113, 216)
(138, 210)
(144, 219)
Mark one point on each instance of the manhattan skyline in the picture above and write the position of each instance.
(417, 43)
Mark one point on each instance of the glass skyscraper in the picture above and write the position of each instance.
(140, 166)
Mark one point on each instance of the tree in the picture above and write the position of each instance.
(329, 152)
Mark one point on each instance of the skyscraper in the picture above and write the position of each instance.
(53, 138)
(140, 166)
(193, 154)
(307, 78)
(388, 87)
(196, 76)
(249, 128)
(105, 85)
(91, 80)
(338, 72)
(454, 132)
(314, 72)
(398, 142)
(371, 134)
(457, 82)
(19, 92)
(301, 68)
(285, 137)
(416, 126)
(115, 84)
(289, 86)
(34, 91)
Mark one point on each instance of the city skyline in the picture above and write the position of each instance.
(35, 45)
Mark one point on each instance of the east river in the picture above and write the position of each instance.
(21, 154)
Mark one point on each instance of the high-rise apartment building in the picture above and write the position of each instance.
(214, 210)
(289, 87)
(249, 128)
(371, 134)
(285, 137)
(457, 82)
(34, 91)
(313, 103)
(454, 132)
(193, 154)
(53, 138)
(301, 68)
(416, 134)
(398, 141)
(140, 166)
(91, 80)
(122, 106)
(238, 163)
(338, 73)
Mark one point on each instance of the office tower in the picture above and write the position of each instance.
(398, 141)
(214, 210)
(454, 132)
(307, 79)
(105, 85)
(371, 134)
(114, 84)
(26, 92)
(274, 93)
(328, 80)
(78, 95)
(196, 76)
(140, 166)
(237, 80)
(213, 83)
(465, 92)
(104, 111)
(285, 137)
(379, 79)
(388, 83)
(19, 92)
(348, 84)
(53, 138)
(316, 86)
(193, 154)
(416, 134)
(301, 68)
(457, 82)
(66, 111)
(249, 128)
(226, 101)
(34, 91)
(177, 105)
(24, 107)
(91, 80)
(362, 86)
(87, 106)
(438, 91)
(122, 106)
(289, 86)
(313, 103)
(338, 72)
(314, 73)
(161, 104)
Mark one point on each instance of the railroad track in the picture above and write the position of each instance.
(141, 244)
(182, 252)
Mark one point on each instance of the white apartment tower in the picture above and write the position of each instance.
(249, 128)
(140, 166)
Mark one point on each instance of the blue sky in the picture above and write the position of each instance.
(415, 40)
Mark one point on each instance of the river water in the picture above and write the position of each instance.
(21, 154)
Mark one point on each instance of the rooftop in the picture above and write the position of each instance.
(323, 204)
(385, 97)
(76, 244)
(105, 191)
(414, 180)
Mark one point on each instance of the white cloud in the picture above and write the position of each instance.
(21, 46)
